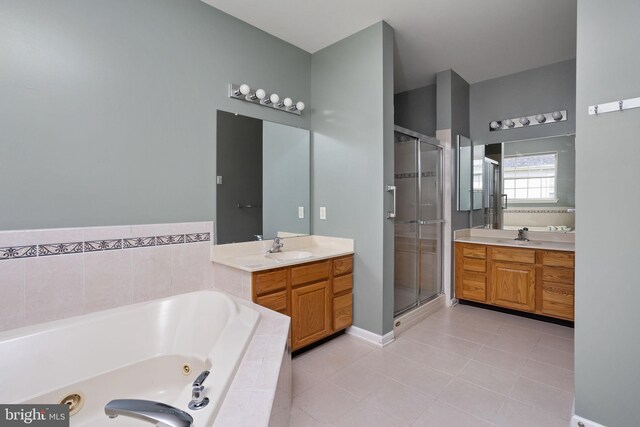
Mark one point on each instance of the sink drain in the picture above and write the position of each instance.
(74, 401)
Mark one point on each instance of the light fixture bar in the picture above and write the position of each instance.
(609, 107)
(244, 93)
(528, 121)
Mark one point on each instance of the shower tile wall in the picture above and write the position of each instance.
(52, 274)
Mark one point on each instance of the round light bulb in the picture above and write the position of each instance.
(288, 102)
(524, 121)
(557, 115)
(509, 123)
(274, 98)
(245, 89)
(495, 125)
(260, 94)
(540, 118)
(300, 106)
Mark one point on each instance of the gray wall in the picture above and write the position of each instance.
(607, 346)
(539, 90)
(286, 161)
(239, 163)
(566, 165)
(108, 111)
(352, 153)
(416, 110)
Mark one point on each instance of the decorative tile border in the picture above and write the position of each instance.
(49, 249)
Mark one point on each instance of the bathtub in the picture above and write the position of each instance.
(152, 350)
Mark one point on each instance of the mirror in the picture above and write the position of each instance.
(262, 179)
(529, 183)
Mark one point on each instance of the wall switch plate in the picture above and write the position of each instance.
(323, 212)
(300, 212)
(219, 179)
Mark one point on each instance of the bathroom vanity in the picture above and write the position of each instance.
(532, 276)
(311, 281)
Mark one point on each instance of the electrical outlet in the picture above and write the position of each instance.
(300, 212)
(323, 212)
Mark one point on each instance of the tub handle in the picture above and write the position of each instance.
(203, 376)
(198, 399)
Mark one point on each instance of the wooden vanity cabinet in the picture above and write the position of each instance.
(317, 296)
(530, 280)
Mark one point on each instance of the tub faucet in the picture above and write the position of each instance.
(146, 410)
(522, 235)
(198, 400)
(277, 245)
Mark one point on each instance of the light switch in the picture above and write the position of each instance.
(323, 212)
(300, 212)
(219, 179)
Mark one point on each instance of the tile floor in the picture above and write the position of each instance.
(460, 367)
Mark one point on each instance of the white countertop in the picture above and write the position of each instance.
(538, 240)
(251, 256)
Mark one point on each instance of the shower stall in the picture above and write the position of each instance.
(418, 221)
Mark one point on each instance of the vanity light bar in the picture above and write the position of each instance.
(244, 93)
(528, 121)
(625, 104)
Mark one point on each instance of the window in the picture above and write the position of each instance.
(530, 177)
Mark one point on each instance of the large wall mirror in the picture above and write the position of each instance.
(262, 179)
(528, 183)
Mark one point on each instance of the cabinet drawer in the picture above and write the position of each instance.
(270, 281)
(474, 287)
(276, 301)
(523, 256)
(342, 284)
(558, 259)
(342, 312)
(474, 251)
(310, 273)
(342, 266)
(473, 264)
(558, 275)
(557, 300)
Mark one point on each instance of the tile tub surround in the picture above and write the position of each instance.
(462, 366)
(543, 239)
(52, 274)
(250, 256)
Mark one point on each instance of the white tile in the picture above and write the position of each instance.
(399, 401)
(12, 293)
(151, 273)
(543, 396)
(191, 267)
(256, 376)
(491, 377)
(501, 359)
(244, 408)
(106, 233)
(365, 415)
(442, 415)
(515, 413)
(325, 402)
(549, 374)
(472, 399)
(107, 280)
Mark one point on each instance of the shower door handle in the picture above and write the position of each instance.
(506, 201)
(391, 215)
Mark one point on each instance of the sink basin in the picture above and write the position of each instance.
(519, 242)
(289, 255)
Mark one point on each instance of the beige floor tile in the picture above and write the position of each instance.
(302, 380)
(495, 379)
(550, 375)
(423, 378)
(321, 362)
(365, 415)
(557, 343)
(358, 380)
(512, 345)
(472, 399)
(325, 402)
(399, 401)
(542, 396)
(518, 414)
(470, 334)
(299, 418)
(543, 327)
(382, 361)
(487, 324)
(444, 342)
(558, 358)
(501, 359)
(523, 334)
(442, 415)
(430, 356)
(348, 347)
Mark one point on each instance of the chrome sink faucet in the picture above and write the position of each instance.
(522, 235)
(277, 245)
(156, 413)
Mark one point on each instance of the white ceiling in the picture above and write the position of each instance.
(479, 39)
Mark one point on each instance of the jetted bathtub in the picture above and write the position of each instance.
(152, 350)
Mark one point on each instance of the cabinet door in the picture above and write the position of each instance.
(310, 313)
(514, 286)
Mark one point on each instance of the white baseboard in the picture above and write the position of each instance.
(577, 421)
(419, 314)
(363, 334)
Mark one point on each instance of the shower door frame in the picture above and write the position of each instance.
(419, 222)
